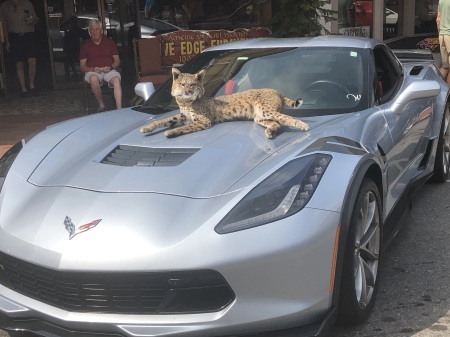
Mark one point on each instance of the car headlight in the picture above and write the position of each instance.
(7, 160)
(280, 195)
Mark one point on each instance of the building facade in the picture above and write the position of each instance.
(124, 19)
(385, 20)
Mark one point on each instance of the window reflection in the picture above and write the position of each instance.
(425, 20)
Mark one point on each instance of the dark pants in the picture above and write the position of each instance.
(23, 46)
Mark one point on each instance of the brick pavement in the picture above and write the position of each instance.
(20, 117)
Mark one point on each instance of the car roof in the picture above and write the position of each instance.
(318, 41)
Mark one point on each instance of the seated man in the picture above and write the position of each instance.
(99, 59)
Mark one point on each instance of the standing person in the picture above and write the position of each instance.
(151, 9)
(19, 18)
(346, 14)
(99, 59)
(443, 25)
(195, 10)
(73, 33)
(182, 15)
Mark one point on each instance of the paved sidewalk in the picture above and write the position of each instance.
(20, 117)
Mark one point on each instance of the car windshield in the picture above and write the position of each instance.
(329, 80)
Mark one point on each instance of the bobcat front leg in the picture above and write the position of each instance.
(271, 126)
(290, 121)
(198, 123)
(176, 120)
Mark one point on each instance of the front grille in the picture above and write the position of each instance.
(127, 155)
(152, 293)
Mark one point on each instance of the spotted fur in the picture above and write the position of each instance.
(197, 113)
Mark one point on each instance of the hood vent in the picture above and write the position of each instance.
(126, 155)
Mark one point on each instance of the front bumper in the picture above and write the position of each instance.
(47, 329)
(280, 273)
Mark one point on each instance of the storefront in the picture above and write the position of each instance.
(385, 20)
(58, 45)
(124, 19)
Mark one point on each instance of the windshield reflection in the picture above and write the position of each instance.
(329, 80)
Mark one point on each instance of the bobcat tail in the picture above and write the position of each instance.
(293, 104)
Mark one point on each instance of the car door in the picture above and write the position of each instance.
(408, 127)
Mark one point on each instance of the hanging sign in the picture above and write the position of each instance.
(181, 46)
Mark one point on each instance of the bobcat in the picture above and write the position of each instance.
(199, 113)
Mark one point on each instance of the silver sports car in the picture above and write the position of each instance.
(105, 231)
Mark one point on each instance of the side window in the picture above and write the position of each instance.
(388, 73)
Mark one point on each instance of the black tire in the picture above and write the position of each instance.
(442, 160)
(360, 270)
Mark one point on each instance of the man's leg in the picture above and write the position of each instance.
(31, 71)
(97, 90)
(444, 72)
(444, 41)
(21, 76)
(115, 83)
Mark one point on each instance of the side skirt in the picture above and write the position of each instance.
(402, 209)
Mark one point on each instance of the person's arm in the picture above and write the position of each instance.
(113, 66)
(35, 19)
(438, 21)
(84, 68)
(116, 62)
(5, 28)
(6, 36)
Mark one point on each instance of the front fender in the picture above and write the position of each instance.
(366, 168)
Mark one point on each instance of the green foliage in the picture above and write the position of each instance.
(301, 18)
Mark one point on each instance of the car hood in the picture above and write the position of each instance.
(108, 155)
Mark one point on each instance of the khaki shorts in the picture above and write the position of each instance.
(444, 43)
(105, 77)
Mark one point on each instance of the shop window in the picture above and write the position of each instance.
(355, 18)
(425, 18)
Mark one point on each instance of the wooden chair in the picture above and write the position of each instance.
(107, 93)
(148, 61)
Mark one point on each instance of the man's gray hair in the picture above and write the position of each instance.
(95, 22)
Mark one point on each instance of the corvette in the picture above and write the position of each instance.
(105, 231)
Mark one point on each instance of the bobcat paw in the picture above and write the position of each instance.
(301, 125)
(269, 133)
(170, 133)
(146, 129)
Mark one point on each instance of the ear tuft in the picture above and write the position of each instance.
(175, 73)
(201, 74)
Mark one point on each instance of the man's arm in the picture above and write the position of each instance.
(84, 68)
(114, 65)
(6, 35)
(5, 28)
(438, 21)
(116, 62)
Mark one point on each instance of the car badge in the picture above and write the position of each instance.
(83, 228)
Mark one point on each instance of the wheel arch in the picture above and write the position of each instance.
(368, 169)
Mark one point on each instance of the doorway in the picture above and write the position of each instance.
(67, 23)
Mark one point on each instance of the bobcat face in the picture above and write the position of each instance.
(187, 86)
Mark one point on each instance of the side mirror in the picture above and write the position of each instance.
(144, 90)
(416, 90)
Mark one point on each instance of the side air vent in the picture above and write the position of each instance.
(126, 155)
(416, 70)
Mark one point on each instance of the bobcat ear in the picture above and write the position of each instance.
(176, 73)
(201, 74)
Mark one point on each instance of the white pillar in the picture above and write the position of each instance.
(409, 15)
(378, 19)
